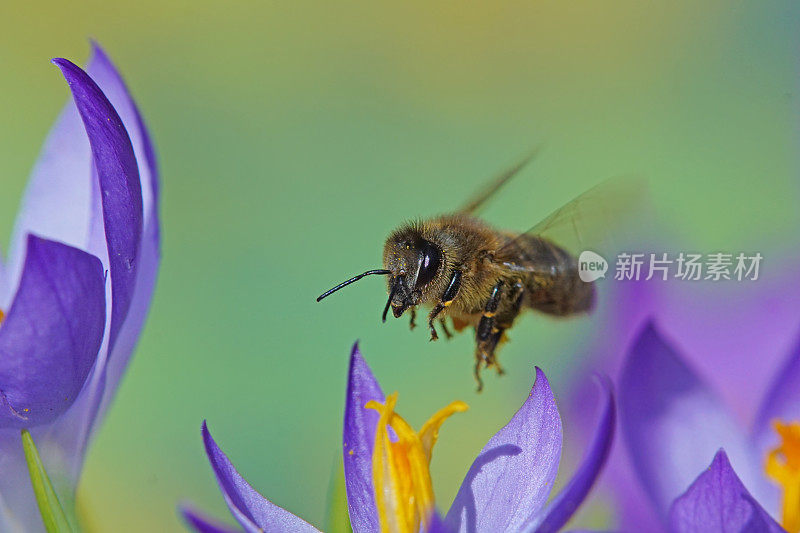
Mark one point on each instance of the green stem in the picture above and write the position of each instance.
(55, 521)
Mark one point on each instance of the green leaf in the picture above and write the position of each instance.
(55, 521)
(337, 517)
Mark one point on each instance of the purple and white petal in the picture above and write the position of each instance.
(358, 439)
(561, 508)
(121, 191)
(202, 524)
(669, 417)
(75, 430)
(718, 502)
(252, 511)
(58, 199)
(73, 353)
(102, 70)
(50, 338)
(514, 473)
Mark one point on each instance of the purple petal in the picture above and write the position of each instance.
(564, 505)
(75, 430)
(514, 473)
(669, 417)
(118, 173)
(103, 72)
(251, 509)
(108, 78)
(437, 525)
(782, 401)
(202, 524)
(358, 439)
(50, 338)
(58, 199)
(718, 502)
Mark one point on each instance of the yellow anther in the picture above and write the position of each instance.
(401, 468)
(2, 315)
(783, 466)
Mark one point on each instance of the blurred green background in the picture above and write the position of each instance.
(293, 136)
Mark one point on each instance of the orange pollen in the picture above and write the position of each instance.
(401, 467)
(783, 466)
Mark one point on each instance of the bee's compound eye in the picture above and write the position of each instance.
(430, 258)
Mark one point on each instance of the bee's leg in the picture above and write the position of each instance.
(443, 323)
(517, 293)
(431, 317)
(477, 371)
(494, 340)
(499, 327)
(486, 334)
(485, 326)
(412, 324)
(447, 298)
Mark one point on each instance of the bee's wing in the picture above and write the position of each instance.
(497, 182)
(586, 222)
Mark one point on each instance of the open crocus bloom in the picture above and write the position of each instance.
(388, 480)
(734, 338)
(672, 423)
(77, 285)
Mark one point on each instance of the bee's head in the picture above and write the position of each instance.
(413, 262)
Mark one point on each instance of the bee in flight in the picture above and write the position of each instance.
(483, 277)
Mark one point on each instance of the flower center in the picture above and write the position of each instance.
(400, 467)
(783, 466)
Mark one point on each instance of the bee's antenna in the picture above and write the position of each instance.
(352, 280)
(389, 301)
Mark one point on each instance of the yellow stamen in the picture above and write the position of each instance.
(2, 315)
(783, 466)
(401, 470)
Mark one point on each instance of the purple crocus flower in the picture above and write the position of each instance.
(669, 416)
(77, 285)
(733, 339)
(388, 481)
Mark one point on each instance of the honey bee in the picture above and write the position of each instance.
(482, 277)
